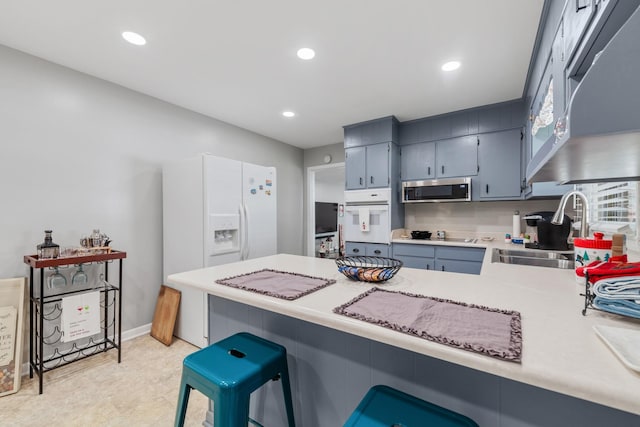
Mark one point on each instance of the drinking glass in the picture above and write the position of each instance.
(57, 280)
(79, 278)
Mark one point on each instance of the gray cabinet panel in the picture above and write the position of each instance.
(366, 249)
(355, 249)
(377, 249)
(441, 128)
(352, 136)
(457, 157)
(458, 266)
(409, 133)
(558, 66)
(489, 120)
(499, 159)
(459, 123)
(355, 168)
(418, 161)
(377, 165)
(416, 262)
(458, 259)
(371, 132)
(409, 249)
(460, 253)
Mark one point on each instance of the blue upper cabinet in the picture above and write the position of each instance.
(457, 157)
(499, 160)
(418, 161)
(355, 168)
(371, 154)
(371, 132)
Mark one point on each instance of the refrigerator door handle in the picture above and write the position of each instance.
(242, 231)
(247, 248)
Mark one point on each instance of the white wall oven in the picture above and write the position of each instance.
(366, 216)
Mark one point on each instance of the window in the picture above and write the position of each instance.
(613, 208)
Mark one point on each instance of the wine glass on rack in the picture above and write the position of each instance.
(56, 279)
(79, 278)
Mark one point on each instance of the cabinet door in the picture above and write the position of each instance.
(377, 166)
(457, 157)
(416, 262)
(458, 266)
(558, 67)
(418, 161)
(499, 160)
(355, 167)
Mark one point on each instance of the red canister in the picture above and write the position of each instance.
(589, 250)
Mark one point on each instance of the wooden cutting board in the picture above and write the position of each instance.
(164, 318)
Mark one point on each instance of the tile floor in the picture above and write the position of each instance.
(97, 391)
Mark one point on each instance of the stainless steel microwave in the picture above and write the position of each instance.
(437, 190)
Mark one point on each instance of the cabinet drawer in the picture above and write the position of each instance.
(416, 262)
(366, 249)
(425, 251)
(375, 249)
(460, 253)
(355, 249)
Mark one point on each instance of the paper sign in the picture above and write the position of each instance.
(80, 316)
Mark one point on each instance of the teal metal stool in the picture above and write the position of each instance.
(384, 406)
(228, 371)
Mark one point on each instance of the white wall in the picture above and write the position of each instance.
(79, 153)
(330, 185)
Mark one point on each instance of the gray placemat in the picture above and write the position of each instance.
(279, 284)
(494, 332)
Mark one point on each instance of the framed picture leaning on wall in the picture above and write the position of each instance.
(12, 295)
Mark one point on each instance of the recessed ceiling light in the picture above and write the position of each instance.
(288, 113)
(134, 38)
(306, 53)
(451, 65)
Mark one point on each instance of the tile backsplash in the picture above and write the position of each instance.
(487, 217)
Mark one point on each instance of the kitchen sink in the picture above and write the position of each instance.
(458, 239)
(535, 258)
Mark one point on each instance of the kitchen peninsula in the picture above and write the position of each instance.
(334, 359)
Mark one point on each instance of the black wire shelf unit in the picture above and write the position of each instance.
(47, 351)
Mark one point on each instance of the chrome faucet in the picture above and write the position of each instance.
(559, 215)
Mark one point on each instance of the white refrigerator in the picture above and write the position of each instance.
(215, 211)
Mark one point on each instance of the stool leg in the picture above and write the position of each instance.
(183, 400)
(231, 410)
(286, 390)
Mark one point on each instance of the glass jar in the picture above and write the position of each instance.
(48, 249)
(96, 238)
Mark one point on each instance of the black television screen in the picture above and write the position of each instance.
(326, 217)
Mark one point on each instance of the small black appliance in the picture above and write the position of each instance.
(550, 236)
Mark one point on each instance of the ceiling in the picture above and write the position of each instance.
(236, 60)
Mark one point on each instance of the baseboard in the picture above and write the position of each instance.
(126, 336)
(136, 332)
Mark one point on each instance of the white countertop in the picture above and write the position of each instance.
(561, 351)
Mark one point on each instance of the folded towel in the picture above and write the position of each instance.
(624, 307)
(615, 267)
(619, 288)
(363, 214)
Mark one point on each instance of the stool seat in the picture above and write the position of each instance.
(384, 406)
(228, 372)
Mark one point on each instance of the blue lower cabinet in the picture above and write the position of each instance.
(457, 259)
(416, 262)
(458, 266)
(367, 249)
